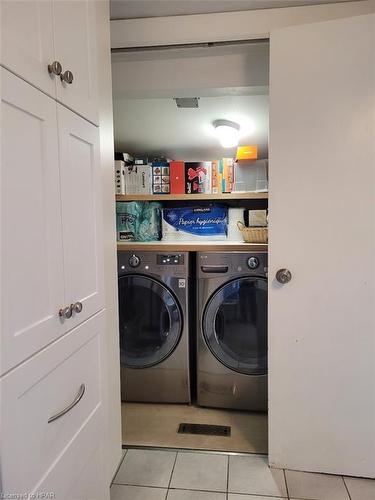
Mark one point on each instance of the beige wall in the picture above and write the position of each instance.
(111, 361)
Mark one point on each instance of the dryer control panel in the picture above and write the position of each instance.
(174, 259)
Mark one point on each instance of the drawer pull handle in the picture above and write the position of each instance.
(214, 269)
(77, 399)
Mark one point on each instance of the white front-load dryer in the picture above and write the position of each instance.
(154, 327)
(232, 330)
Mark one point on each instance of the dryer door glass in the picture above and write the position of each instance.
(235, 325)
(150, 321)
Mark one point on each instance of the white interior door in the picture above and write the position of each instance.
(81, 213)
(32, 287)
(27, 41)
(322, 228)
(75, 43)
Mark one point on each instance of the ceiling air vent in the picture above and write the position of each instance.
(187, 102)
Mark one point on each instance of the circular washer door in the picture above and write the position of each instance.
(150, 321)
(235, 325)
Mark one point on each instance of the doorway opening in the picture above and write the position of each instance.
(193, 312)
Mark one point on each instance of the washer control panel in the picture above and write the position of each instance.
(134, 261)
(169, 259)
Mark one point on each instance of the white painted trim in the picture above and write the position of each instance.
(225, 26)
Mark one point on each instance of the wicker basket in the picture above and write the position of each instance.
(253, 234)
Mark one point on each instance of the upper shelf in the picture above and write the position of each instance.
(182, 197)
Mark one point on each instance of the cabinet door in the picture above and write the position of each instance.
(27, 41)
(322, 227)
(31, 240)
(75, 43)
(52, 418)
(81, 213)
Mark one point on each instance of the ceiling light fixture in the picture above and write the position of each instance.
(227, 133)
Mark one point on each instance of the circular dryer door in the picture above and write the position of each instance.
(150, 321)
(235, 325)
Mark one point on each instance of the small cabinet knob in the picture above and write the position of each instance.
(67, 77)
(55, 68)
(66, 312)
(283, 276)
(78, 307)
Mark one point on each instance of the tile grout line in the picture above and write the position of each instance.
(170, 479)
(227, 496)
(119, 465)
(286, 484)
(346, 487)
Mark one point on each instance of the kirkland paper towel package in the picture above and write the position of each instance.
(195, 223)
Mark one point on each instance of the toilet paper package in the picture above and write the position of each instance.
(235, 215)
(195, 223)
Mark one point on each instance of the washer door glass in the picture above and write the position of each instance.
(150, 321)
(235, 325)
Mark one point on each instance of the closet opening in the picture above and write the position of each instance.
(191, 209)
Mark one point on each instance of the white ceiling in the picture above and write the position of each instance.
(157, 127)
(231, 82)
(131, 9)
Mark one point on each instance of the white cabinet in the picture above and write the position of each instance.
(34, 34)
(27, 46)
(81, 213)
(75, 46)
(53, 417)
(51, 253)
(32, 281)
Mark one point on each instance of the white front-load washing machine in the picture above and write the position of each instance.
(154, 328)
(232, 330)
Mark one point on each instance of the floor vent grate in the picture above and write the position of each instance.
(205, 429)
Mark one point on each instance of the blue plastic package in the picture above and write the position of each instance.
(191, 222)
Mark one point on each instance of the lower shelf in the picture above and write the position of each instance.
(193, 246)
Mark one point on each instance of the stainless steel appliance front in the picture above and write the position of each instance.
(154, 326)
(232, 330)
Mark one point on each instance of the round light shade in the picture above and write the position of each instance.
(227, 133)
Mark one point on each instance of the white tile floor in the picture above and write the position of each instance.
(183, 475)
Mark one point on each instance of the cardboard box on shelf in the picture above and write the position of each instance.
(160, 177)
(215, 177)
(198, 177)
(247, 153)
(227, 171)
(120, 177)
(177, 177)
(138, 179)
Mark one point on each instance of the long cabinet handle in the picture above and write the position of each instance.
(77, 399)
